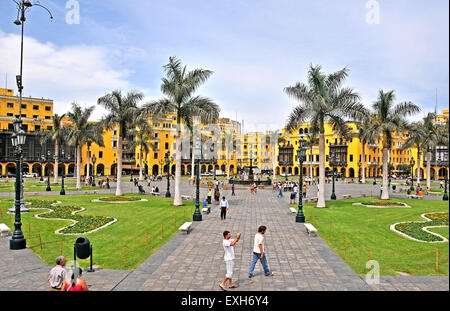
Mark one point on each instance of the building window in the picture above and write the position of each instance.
(351, 158)
(35, 107)
(24, 106)
(114, 143)
(100, 154)
(48, 117)
(10, 105)
(155, 155)
(10, 114)
(156, 135)
(10, 127)
(35, 117)
(37, 127)
(115, 132)
(167, 146)
(48, 108)
(167, 135)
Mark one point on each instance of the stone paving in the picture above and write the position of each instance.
(195, 261)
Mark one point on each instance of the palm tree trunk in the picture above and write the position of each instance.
(78, 166)
(418, 166)
(177, 196)
(311, 165)
(385, 192)
(88, 164)
(119, 167)
(321, 196)
(140, 166)
(429, 169)
(193, 163)
(55, 181)
(363, 163)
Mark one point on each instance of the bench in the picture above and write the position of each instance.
(292, 210)
(415, 196)
(310, 229)
(186, 227)
(311, 200)
(186, 197)
(4, 230)
(347, 196)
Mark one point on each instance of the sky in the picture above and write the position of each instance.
(256, 48)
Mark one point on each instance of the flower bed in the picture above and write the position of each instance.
(81, 224)
(119, 199)
(418, 230)
(382, 204)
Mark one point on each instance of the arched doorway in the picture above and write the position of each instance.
(71, 169)
(231, 169)
(210, 168)
(351, 172)
(343, 171)
(296, 171)
(37, 168)
(100, 170)
(10, 169)
(25, 168)
(203, 169)
(172, 170)
(277, 171)
(61, 169)
(49, 169)
(304, 171)
(290, 170)
(189, 169)
(222, 168)
(114, 169)
(155, 170)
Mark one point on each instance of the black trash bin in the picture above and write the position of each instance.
(82, 247)
(394, 187)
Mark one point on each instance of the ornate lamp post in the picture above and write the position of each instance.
(63, 160)
(167, 159)
(94, 159)
(359, 171)
(161, 164)
(18, 240)
(301, 152)
(47, 159)
(333, 163)
(198, 154)
(445, 198)
(411, 163)
(214, 160)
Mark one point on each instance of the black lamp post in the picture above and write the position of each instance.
(214, 165)
(94, 159)
(359, 172)
(445, 198)
(412, 162)
(198, 154)
(167, 159)
(63, 160)
(161, 164)
(47, 159)
(301, 153)
(18, 240)
(333, 163)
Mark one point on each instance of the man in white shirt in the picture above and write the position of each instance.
(58, 274)
(223, 208)
(228, 247)
(259, 253)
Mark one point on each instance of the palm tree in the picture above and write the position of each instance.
(433, 137)
(365, 135)
(123, 111)
(94, 135)
(179, 87)
(389, 119)
(58, 135)
(324, 99)
(80, 131)
(416, 139)
(311, 141)
(143, 139)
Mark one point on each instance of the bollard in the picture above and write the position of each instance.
(40, 239)
(60, 253)
(124, 255)
(162, 231)
(437, 260)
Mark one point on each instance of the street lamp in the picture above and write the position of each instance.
(167, 159)
(18, 240)
(214, 160)
(198, 155)
(411, 163)
(94, 159)
(301, 153)
(333, 163)
(63, 160)
(359, 172)
(445, 198)
(47, 159)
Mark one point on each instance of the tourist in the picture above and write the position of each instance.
(223, 208)
(232, 190)
(57, 274)
(259, 253)
(205, 205)
(280, 191)
(157, 189)
(209, 195)
(216, 196)
(255, 188)
(228, 247)
(75, 284)
(441, 184)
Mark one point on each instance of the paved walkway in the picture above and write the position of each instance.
(195, 261)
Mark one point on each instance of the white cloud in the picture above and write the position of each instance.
(65, 74)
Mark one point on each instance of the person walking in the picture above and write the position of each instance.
(216, 196)
(228, 247)
(223, 208)
(205, 205)
(57, 274)
(280, 191)
(232, 190)
(259, 253)
(209, 195)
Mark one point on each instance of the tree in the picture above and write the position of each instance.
(94, 135)
(57, 135)
(143, 139)
(389, 119)
(80, 131)
(324, 99)
(311, 141)
(365, 135)
(432, 138)
(179, 87)
(122, 111)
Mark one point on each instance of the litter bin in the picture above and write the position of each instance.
(82, 247)
(394, 187)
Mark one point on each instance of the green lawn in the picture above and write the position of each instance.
(357, 232)
(141, 229)
(36, 187)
